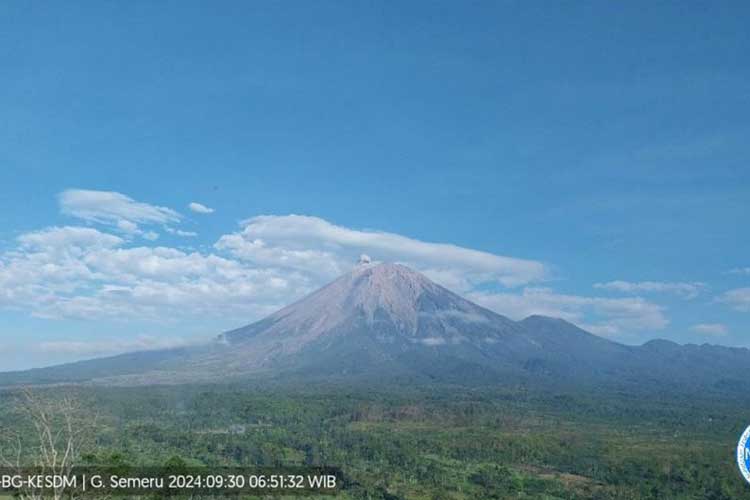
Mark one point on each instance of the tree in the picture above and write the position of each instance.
(58, 429)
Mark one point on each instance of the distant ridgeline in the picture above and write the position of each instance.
(385, 322)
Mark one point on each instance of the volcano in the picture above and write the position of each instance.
(384, 322)
(376, 316)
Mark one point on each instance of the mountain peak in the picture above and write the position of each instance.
(381, 296)
(387, 274)
(362, 293)
(386, 288)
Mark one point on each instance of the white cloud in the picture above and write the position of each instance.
(684, 290)
(128, 227)
(116, 210)
(81, 272)
(745, 271)
(199, 208)
(738, 299)
(179, 232)
(316, 245)
(84, 273)
(109, 207)
(48, 263)
(714, 329)
(603, 316)
(68, 237)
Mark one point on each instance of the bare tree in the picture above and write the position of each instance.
(58, 429)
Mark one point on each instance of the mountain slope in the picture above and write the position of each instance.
(381, 322)
(380, 314)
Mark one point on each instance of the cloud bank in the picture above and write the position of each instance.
(116, 210)
(311, 243)
(603, 316)
(271, 260)
(82, 272)
(78, 272)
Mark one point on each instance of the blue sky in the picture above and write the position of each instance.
(595, 154)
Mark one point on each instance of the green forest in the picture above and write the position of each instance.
(418, 443)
